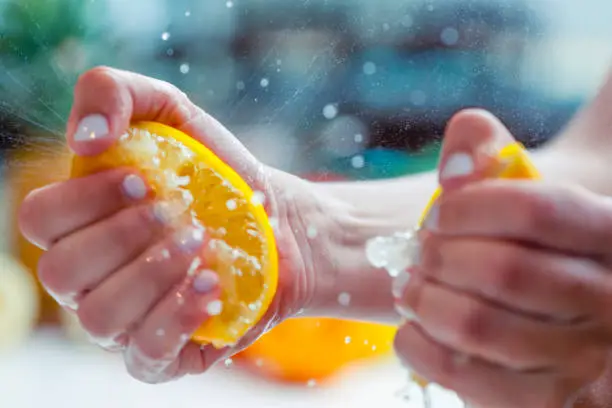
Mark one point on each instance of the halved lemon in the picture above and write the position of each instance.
(200, 188)
(19, 303)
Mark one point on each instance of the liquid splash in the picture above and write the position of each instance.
(395, 254)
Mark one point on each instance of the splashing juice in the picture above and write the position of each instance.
(399, 251)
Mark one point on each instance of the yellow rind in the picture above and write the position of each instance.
(518, 165)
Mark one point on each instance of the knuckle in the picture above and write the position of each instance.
(129, 230)
(189, 318)
(506, 272)
(174, 102)
(537, 213)
(170, 92)
(445, 370)
(50, 270)
(431, 251)
(96, 319)
(473, 326)
(97, 75)
(144, 218)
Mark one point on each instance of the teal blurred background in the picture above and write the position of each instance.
(309, 85)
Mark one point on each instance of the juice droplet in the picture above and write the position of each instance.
(394, 253)
(344, 299)
(312, 232)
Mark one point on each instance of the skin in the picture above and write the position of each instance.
(513, 274)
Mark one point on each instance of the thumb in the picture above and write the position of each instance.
(107, 100)
(472, 141)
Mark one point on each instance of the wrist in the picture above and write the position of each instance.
(345, 217)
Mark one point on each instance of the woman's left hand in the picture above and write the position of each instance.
(512, 296)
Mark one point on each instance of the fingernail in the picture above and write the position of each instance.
(134, 187)
(205, 281)
(406, 312)
(457, 165)
(399, 284)
(92, 127)
(168, 212)
(214, 308)
(190, 239)
(431, 221)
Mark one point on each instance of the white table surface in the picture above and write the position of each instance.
(49, 371)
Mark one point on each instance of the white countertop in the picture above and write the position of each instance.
(49, 371)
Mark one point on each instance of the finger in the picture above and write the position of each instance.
(197, 359)
(475, 327)
(81, 261)
(480, 382)
(126, 297)
(155, 346)
(107, 100)
(521, 278)
(471, 141)
(52, 212)
(559, 217)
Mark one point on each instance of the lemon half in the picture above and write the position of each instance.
(198, 187)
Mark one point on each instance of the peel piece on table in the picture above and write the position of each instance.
(199, 188)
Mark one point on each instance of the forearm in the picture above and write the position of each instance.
(356, 212)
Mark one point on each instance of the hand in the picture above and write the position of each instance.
(513, 291)
(101, 234)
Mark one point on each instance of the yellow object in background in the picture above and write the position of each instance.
(19, 302)
(197, 187)
(307, 349)
(32, 167)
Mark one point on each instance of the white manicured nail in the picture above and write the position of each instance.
(134, 187)
(214, 308)
(457, 165)
(406, 312)
(190, 239)
(205, 281)
(92, 127)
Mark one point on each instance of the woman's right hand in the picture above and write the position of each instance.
(103, 234)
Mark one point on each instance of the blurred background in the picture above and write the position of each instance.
(326, 89)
